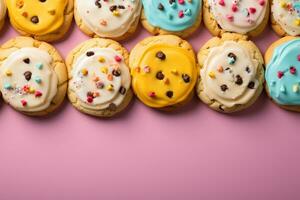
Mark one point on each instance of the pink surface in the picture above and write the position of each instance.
(194, 153)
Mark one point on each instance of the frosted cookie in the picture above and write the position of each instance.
(231, 74)
(33, 76)
(285, 17)
(282, 73)
(99, 77)
(116, 19)
(178, 17)
(238, 16)
(2, 13)
(164, 71)
(46, 20)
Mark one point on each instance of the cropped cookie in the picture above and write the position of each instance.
(164, 71)
(33, 76)
(283, 73)
(231, 73)
(178, 17)
(46, 20)
(285, 17)
(116, 19)
(2, 13)
(99, 77)
(248, 17)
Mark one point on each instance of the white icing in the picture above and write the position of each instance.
(235, 94)
(15, 65)
(2, 9)
(285, 13)
(116, 26)
(83, 84)
(243, 20)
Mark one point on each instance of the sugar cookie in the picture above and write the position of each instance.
(231, 74)
(33, 76)
(164, 71)
(99, 77)
(46, 20)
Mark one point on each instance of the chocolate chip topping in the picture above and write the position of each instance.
(113, 8)
(90, 53)
(232, 55)
(26, 60)
(35, 19)
(169, 94)
(239, 80)
(98, 4)
(171, 1)
(122, 90)
(160, 7)
(112, 107)
(27, 75)
(248, 69)
(224, 87)
(160, 75)
(116, 72)
(42, 1)
(251, 85)
(160, 55)
(186, 78)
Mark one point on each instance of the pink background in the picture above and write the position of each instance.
(194, 153)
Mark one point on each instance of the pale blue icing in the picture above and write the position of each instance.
(168, 18)
(283, 90)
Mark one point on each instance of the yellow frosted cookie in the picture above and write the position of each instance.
(33, 76)
(164, 71)
(46, 20)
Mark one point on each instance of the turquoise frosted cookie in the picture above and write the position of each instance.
(282, 73)
(180, 17)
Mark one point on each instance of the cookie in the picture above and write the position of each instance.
(231, 73)
(282, 73)
(33, 76)
(46, 20)
(178, 17)
(2, 13)
(116, 19)
(248, 17)
(164, 71)
(285, 17)
(99, 77)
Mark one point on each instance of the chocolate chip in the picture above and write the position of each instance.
(26, 60)
(251, 85)
(171, 1)
(160, 75)
(186, 78)
(169, 94)
(113, 8)
(98, 4)
(224, 87)
(121, 7)
(248, 69)
(122, 90)
(112, 107)
(116, 72)
(90, 53)
(239, 80)
(232, 55)
(35, 19)
(27, 75)
(160, 7)
(89, 94)
(42, 1)
(160, 55)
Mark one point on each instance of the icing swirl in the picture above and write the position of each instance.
(100, 78)
(287, 14)
(109, 18)
(172, 15)
(282, 74)
(164, 75)
(37, 17)
(240, 16)
(27, 81)
(229, 74)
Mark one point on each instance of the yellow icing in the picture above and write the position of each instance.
(178, 62)
(50, 14)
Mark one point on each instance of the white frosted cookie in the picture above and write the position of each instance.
(231, 77)
(99, 77)
(116, 19)
(286, 14)
(32, 76)
(2, 12)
